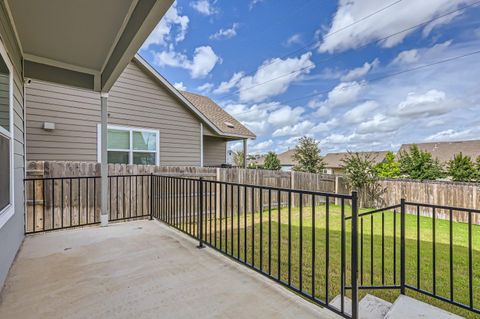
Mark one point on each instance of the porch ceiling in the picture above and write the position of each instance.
(87, 39)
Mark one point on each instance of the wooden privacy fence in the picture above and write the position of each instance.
(121, 206)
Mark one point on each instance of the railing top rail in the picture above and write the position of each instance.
(458, 209)
(282, 189)
(376, 211)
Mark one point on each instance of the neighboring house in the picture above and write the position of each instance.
(445, 151)
(286, 160)
(150, 122)
(334, 161)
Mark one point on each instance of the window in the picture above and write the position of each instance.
(6, 138)
(132, 145)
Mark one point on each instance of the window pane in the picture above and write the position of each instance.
(144, 158)
(144, 141)
(118, 157)
(4, 172)
(118, 139)
(4, 96)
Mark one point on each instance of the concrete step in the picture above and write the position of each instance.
(406, 307)
(370, 307)
(337, 304)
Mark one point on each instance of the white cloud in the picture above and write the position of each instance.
(253, 3)
(260, 147)
(297, 130)
(180, 86)
(204, 7)
(206, 87)
(360, 112)
(224, 87)
(294, 39)
(285, 115)
(398, 17)
(360, 71)
(407, 57)
(203, 61)
(431, 103)
(274, 77)
(171, 23)
(225, 33)
(380, 123)
(450, 135)
(343, 94)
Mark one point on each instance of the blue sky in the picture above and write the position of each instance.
(353, 74)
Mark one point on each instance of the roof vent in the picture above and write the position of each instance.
(230, 125)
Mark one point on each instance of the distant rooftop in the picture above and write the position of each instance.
(334, 160)
(445, 151)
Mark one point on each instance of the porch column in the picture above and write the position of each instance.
(104, 160)
(245, 151)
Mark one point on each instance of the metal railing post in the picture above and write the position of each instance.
(151, 196)
(402, 246)
(200, 217)
(354, 257)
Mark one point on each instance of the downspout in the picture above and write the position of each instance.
(104, 159)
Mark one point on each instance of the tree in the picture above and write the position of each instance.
(362, 177)
(389, 167)
(307, 156)
(477, 169)
(238, 158)
(271, 162)
(419, 164)
(461, 168)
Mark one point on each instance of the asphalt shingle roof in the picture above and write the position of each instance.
(218, 116)
(445, 151)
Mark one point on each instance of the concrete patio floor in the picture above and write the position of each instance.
(138, 269)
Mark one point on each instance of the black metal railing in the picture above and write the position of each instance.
(445, 268)
(54, 203)
(379, 248)
(400, 249)
(271, 230)
(297, 238)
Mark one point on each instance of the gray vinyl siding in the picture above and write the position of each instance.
(214, 151)
(12, 233)
(136, 100)
(75, 113)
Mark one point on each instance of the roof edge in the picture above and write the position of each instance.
(163, 81)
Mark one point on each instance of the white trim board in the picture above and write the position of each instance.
(9, 210)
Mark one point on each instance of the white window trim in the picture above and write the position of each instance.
(9, 210)
(131, 151)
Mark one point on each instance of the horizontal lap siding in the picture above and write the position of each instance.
(214, 151)
(11, 234)
(137, 100)
(75, 113)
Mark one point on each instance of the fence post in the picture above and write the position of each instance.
(200, 217)
(354, 257)
(151, 196)
(402, 246)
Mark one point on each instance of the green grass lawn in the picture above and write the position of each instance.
(257, 252)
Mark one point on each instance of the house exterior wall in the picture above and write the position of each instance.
(12, 232)
(136, 100)
(214, 151)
